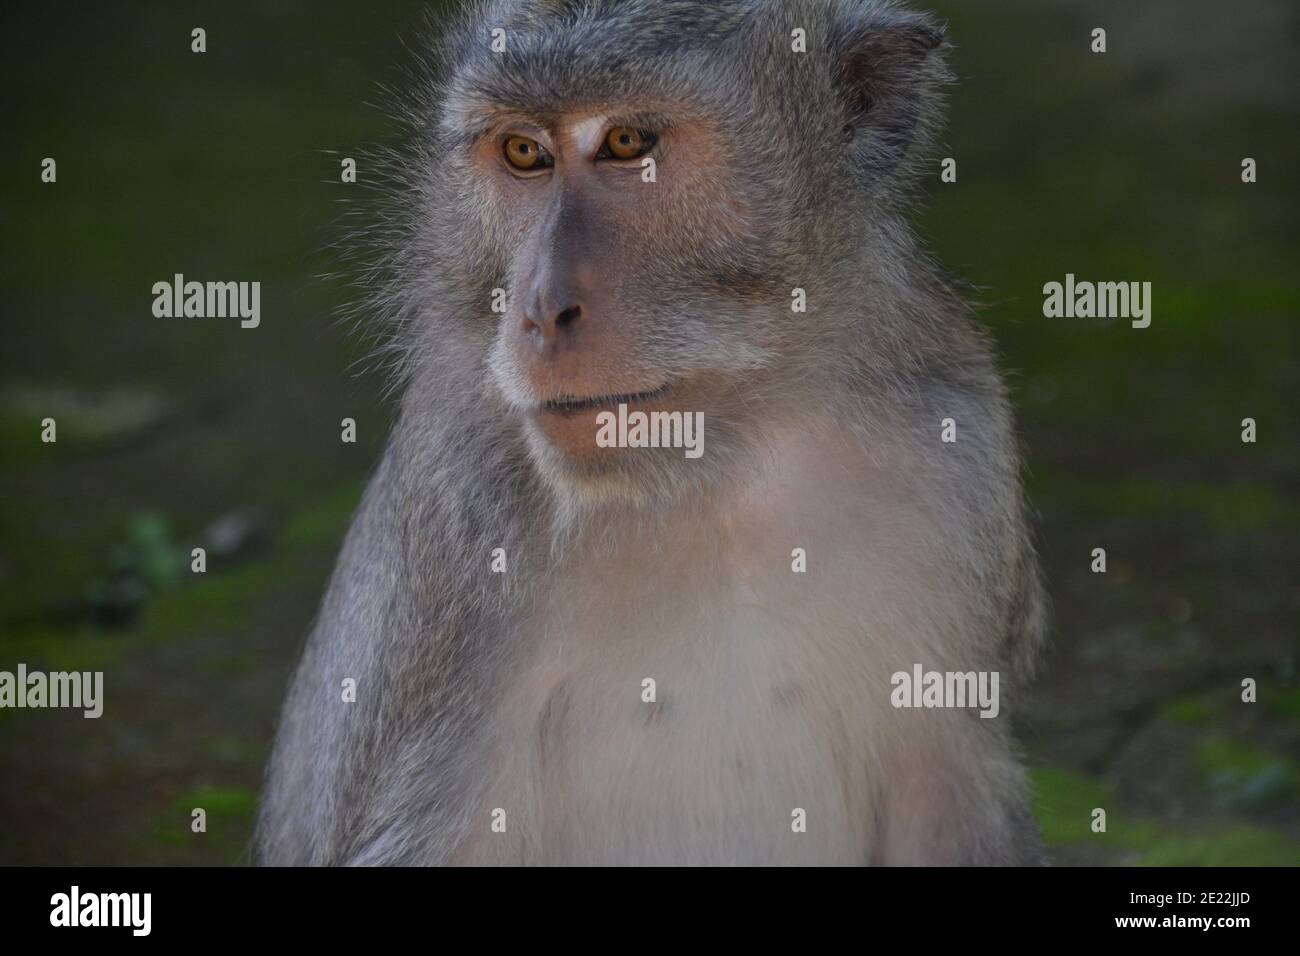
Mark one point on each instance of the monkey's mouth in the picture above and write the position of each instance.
(571, 404)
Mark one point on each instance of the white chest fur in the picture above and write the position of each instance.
(770, 684)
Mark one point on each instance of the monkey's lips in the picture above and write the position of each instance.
(569, 421)
(569, 404)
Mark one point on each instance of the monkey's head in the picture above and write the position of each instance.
(669, 205)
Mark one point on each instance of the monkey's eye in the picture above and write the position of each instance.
(526, 154)
(624, 142)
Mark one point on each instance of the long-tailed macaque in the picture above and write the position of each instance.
(548, 643)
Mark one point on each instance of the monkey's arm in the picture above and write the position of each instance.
(413, 619)
(313, 781)
(958, 795)
(962, 803)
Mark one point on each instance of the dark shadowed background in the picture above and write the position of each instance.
(176, 433)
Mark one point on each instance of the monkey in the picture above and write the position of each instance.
(564, 652)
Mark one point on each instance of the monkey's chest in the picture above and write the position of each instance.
(679, 728)
(718, 692)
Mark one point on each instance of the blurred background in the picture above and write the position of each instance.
(174, 434)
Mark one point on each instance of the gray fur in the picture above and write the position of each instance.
(834, 138)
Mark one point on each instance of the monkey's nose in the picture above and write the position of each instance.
(559, 326)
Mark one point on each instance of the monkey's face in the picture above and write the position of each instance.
(629, 251)
(641, 188)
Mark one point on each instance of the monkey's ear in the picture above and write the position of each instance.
(888, 70)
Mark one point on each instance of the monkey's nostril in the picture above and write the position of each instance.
(568, 316)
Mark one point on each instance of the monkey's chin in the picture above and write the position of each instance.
(570, 444)
(572, 435)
